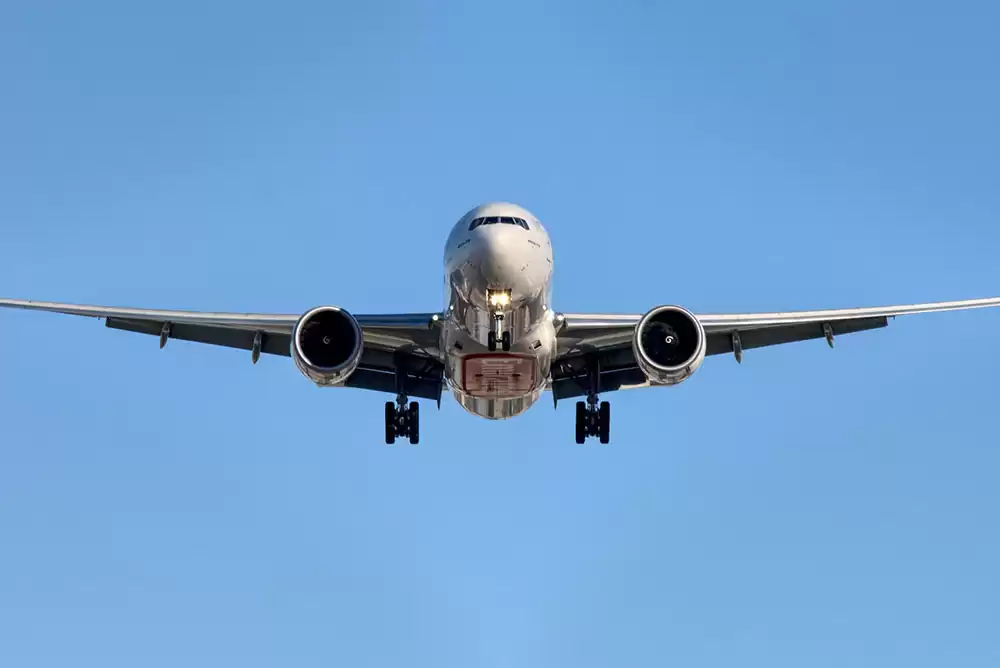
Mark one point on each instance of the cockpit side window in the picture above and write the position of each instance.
(475, 223)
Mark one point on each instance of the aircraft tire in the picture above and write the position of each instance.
(581, 422)
(390, 423)
(604, 423)
(413, 422)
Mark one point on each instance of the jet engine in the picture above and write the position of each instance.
(326, 345)
(669, 345)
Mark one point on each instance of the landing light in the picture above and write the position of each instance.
(498, 298)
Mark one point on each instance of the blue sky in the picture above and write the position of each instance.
(806, 508)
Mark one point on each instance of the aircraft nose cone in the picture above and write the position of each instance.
(500, 261)
(501, 257)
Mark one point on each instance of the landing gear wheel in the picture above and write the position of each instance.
(593, 419)
(413, 418)
(402, 421)
(604, 423)
(390, 423)
(505, 340)
(491, 341)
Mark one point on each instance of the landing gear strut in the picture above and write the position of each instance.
(593, 417)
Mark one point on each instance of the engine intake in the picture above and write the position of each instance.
(669, 345)
(326, 345)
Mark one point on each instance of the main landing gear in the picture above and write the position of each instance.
(593, 417)
(402, 418)
(402, 421)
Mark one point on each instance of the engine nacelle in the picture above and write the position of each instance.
(669, 345)
(326, 345)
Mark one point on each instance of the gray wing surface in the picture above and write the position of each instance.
(609, 337)
(408, 341)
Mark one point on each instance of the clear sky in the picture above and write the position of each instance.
(810, 507)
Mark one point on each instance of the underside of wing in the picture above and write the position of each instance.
(258, 321)
(730, 322)
(394, 348)
(605, 341)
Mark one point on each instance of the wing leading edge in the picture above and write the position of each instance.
(407, 342)
(583, 336)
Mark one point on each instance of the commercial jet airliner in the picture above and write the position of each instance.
(499, 343)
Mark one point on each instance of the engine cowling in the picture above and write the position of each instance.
(326, 345)
(669, 345)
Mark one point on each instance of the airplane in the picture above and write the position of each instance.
(498, 345)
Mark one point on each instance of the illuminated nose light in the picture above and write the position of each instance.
(499, 298)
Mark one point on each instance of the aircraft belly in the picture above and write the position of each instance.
(496, 409)
(494, 384)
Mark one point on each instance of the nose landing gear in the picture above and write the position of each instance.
(492, 335)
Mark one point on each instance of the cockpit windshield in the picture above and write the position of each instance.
(498, 220)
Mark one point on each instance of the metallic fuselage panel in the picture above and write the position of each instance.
(498, 257)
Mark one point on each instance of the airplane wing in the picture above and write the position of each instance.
(608, 338)
(407, 340)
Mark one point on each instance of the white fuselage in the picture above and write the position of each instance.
(498, 270)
